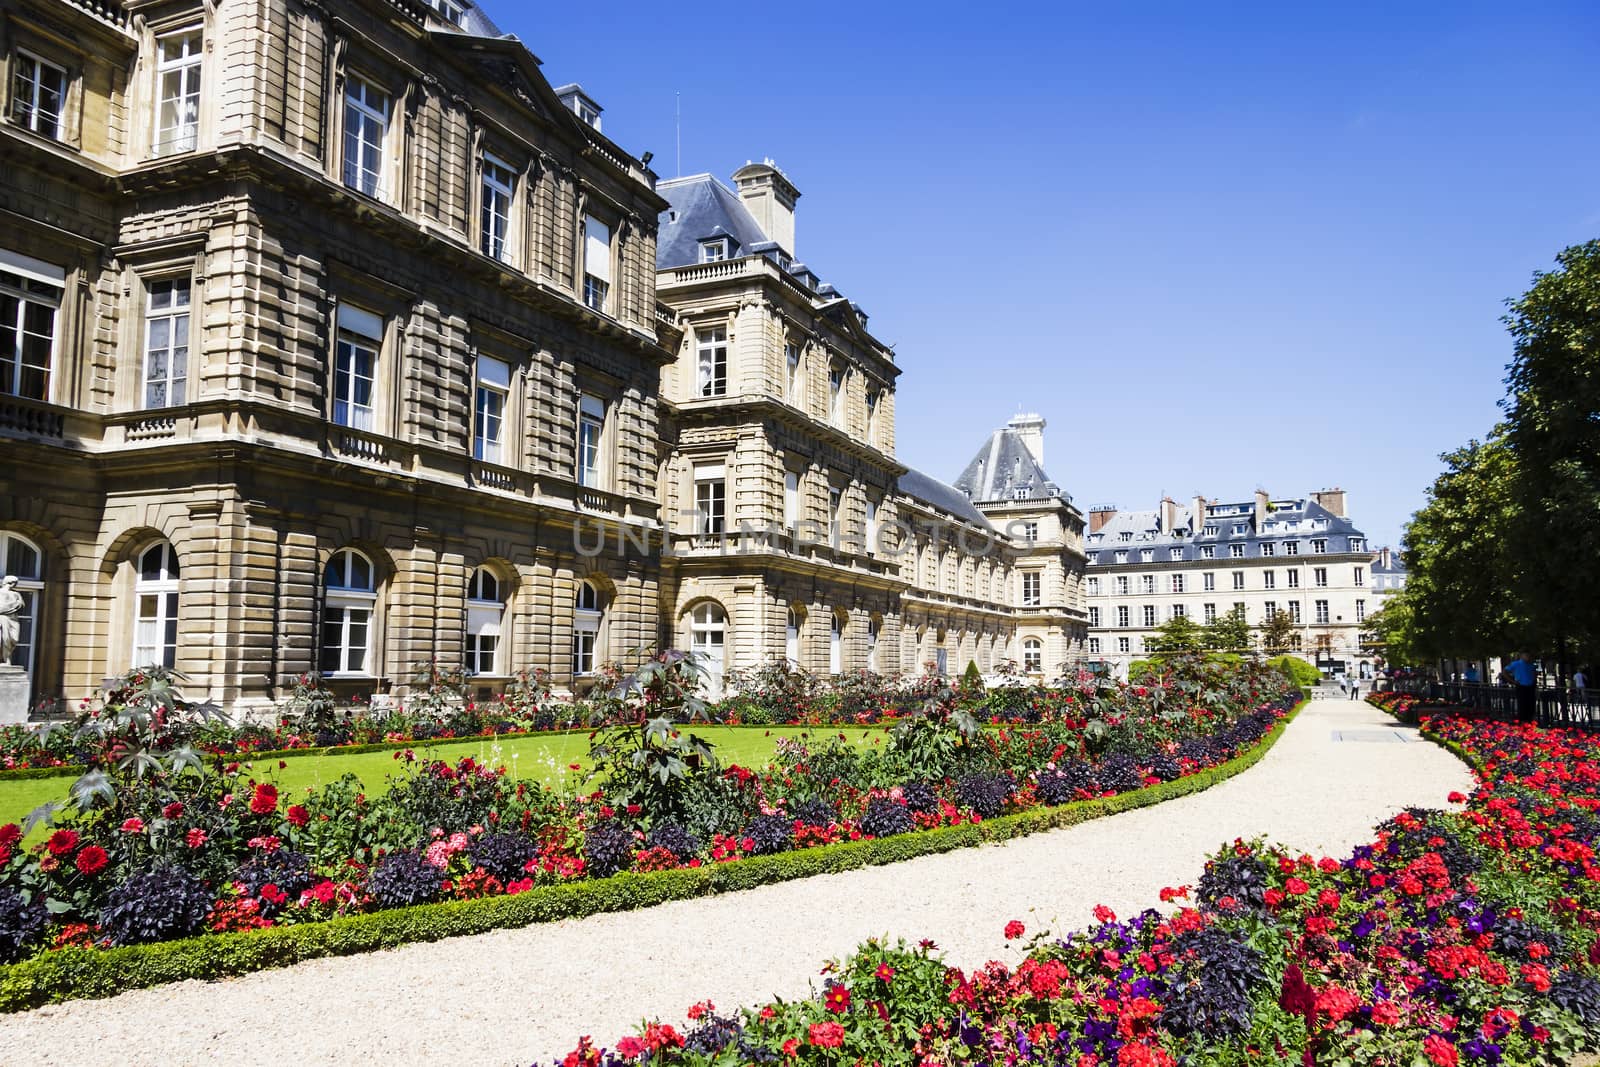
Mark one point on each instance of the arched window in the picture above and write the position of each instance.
(1033, 655)
(155, 599)
(20, 558)
(588, 616)
(349, 598)
(708, 633)
(486, 610)
(791, 634)
(836, 643)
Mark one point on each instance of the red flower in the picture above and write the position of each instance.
(826, 1035)
(272, 894)
(1328, 898)
(298, 815)
(837, 998)
(61, 842)
(1297, 886)
(1103, 914)
(10, 834)
(92, 860)
(134, 825)
(195, 838)
(791, 1047)
(885, 973)
(172, 811)
(1273, 897)
(1014, 930)
(1438, 1050)
(264, 801)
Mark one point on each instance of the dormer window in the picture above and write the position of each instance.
(589, 115)
(1020, 492)
(1125, 535)
(452, 13)
(714, 251)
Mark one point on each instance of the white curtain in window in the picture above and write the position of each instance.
(596, 248)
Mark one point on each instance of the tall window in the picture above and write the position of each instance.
(355, 367)
(155, 597)
(1094, 645)
(836, 643)
(1294, 577)
(38, 91)
(1123, 644)
(1177, 583)
(1269, 580)
(1294, 612)
(1270, 609)
(835, 514)
(497, 190)
(587, 616)
(1238, 579)
(166, 343)
(711, 349)
(711, 499)
(178, 58)
(1122, 585)
(1094, 616)
(1291, 548)
(1236, 551)
(872, 414)
(1122, 616)
(1209, 613)
(708, 633)
(486, 611)
(1319, 545)
(1268, 548)
(1033, 655)
(1147, 583)
(791, 499)
(1094, 586)
(836, 394)
(1319, 577)
(1360, 577)
(489, 409)
(366, 122)
(1208, 582)
(1180, 611)
(591, 434)
(1321, 609)
(596, 264)
(22, 560)
(1030, 531)
(791, 634)
(1208, 551)
(30, 295)
(1031, 596)
(349, 598)
(872, 527)
(874, 625)
(791, 363)
(1149, 613)
(1361, 610)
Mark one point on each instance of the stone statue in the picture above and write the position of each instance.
(11, 608)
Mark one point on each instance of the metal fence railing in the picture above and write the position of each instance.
(1557, 706)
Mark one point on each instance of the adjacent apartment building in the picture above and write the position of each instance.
(1302, 557)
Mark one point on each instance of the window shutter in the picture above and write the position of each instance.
(596, 248)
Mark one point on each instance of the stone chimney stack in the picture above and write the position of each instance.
(1169, 514)
(1101, 514)
(1262, 503)
(1199, 505)
(1332, 499)
(1031, 429)
(770, 196)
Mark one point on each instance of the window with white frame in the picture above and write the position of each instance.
(791, 364)
(1361, 611)
(1210, 530)
(1291, 548)
(714, 251)
(1033, 655)
(1123, 644)
(178, 59)
(360, 337)
(1122, 556)
(1238, 579)
(1179, 611)
(711, 349)
(1268, 548)
(708, 634)
(1320, 607)
(873, 396)
(793, 624)
(1208, 551)
(591, 441)
(836, 643)
(498, 193)
(1122, 616)
(1238, 529)
(448, 10)
(1319, 577)
(711, 499)
(791, 499)
(155, 599)
(1238, 608)
(1176, 555)
(1149, 614)
(1094, 645)
(1125, 535)
(872, 527)
(1094, 616)
(1177, 583)
(874, 625)
(1294, 612)
(596, 264)
(1269, 580)
(349, 600)
(489, 410)
(1357, 544)
(836, 395)
(1094, 586)
(1269, 609)
(21, 559)
(1122, 585)
(1032, 585)
(835, 514)
(1147, 583)
(1209, 613)
(30, 297)
(486, 612)
(588, 618)
(1294, 577)
(1235, 551)
(1030, 531)
(1208, 581)
(38, 95)
(1147, 555)
(1360, 577)
(166, 343)
(366, 125)
(1319, 546)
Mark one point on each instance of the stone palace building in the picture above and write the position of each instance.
(333, 338)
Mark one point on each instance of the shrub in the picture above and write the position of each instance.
(607, 848)
(504, 855)
(985, 794)
(1064, 783)
(1212, 993)
(402, 879)
(1244, 878)
(920, 797)
(1296, 670)
(814, 813)
(770, 833)
(885, 818)
(675, 839)
(21, 924)
(1119, 773)
(285, 868)
(155, 905)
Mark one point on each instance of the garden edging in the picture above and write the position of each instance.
(74, 973)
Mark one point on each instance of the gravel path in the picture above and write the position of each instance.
(511, 996)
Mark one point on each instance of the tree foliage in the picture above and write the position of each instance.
(1178, 634)
(1277, 634)
(1228, 633)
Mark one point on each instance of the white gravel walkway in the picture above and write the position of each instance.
(512, 996)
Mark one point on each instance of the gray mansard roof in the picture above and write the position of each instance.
(1299, 520)
(1005, 469)
(932, 491)
(701, 208)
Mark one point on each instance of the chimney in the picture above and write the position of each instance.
(1262, 502)
(1169, 514)
(1385, 555)
(1332, 500)
(1030, 428)
(1101, 514)
(769, 195)
(1199, 505)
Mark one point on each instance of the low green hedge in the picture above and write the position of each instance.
(74, 973)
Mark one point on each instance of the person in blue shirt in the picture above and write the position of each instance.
(1526, 678)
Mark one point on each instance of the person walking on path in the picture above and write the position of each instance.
(1355, 687)
(1523, 674)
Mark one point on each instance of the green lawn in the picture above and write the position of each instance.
(542, 757)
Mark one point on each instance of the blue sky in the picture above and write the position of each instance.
(1216, 246)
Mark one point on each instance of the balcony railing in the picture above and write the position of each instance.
(31, 418)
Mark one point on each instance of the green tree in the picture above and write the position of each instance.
(1178, 634)
(1277, 634)
(1227, 633)
(1391, 631)
(1553, 432)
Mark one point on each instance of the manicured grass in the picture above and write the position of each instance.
(545, 758)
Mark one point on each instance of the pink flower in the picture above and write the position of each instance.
(826, 1035)
(134, 825)
(195, 838)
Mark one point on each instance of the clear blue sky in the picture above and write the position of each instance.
(1216, 246)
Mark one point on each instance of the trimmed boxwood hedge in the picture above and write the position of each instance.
(73, 973)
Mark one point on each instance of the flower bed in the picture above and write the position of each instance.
(1408, 708)
(182, 853)
(1454, 938)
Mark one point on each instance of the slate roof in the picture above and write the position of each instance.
(930, 490)
(702, 207)
(1287, 520)
(1004, 469)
